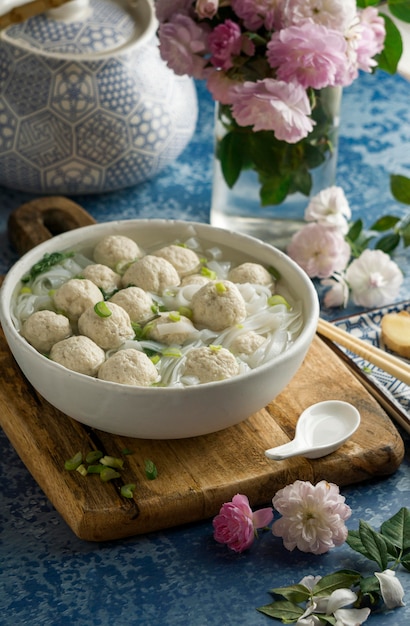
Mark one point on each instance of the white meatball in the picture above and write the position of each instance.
(129, 367)
(103, 276)
(209, 364)
(137, 302)
(195, 279)
(218, 305)
(79, 354)
(75, 296)
(171, 328)
(184, 260)
(247, 343)
(250, 273)
(44, 328)
(116, 250)
(152, 274)
(107, 332)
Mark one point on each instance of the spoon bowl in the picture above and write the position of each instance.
(321, 429)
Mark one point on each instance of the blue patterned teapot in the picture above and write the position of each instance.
(86, 103)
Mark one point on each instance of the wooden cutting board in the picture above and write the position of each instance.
(197, 475)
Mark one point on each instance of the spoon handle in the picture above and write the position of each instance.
(285, 451)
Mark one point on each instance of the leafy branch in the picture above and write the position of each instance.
(389, 548)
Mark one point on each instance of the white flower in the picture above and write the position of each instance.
(330, 208)
(351, 617)
(337, 14)
(338, 294)
(391, 588)
(374, 279)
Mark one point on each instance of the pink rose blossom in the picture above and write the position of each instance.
(374, 279)
(205, 8)
(182, 44)
(225, 42)
(319, 250)
(274, 105)
(371, 41)
(313, 517)
(258, 13)
(221, 87)
(335, 14)
(236, 524)
(165, 9)
(309, 53)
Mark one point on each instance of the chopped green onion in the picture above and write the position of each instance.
(174, 316)
(220, 287)
(138, 330)
(93, 456)
(96, 469)
(185, 311)
(277, 299)
(81, 469)
(205, 271)
(51, 292)
(108, 473)
(121, 266)
(25, 290)
(172, 352)
(151, 471)
(214, 347)
(127, 491)
(155, 308)
(274, 272)
(155, 358)
(102, 309)
(45, 263)
(74, 462)
(112, 461)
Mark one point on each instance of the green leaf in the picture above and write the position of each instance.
(286, 611)
(386, 222)
(344, 578)
(293, 593)
(274, 190)
(400, 9)
(397, 529)
(405, 234)
(400, 188)
(374, 543)
(388, 59)
(354, 541)
(355, 230)
(230, 153)
(405, 562)
(388, 243)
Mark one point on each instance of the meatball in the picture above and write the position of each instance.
(250, 273)
(45, 328)
(103, 276)
(247, 343)
(195, 279)
(79, 354)
(116, 250)
(218, 305)
(208, 364)
(151, 273)
(75, 296)
(110, 331)
(129, 367)
(137, 302)
(171, 328)
(184, 260)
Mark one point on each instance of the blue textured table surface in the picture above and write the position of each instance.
(182, 576)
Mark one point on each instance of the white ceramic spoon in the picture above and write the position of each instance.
(320, 430)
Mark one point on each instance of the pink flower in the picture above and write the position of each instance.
(374, 279)
(313, 517)
(309, 53)
(274, 105)
(337, 14)
(371, 41)
(205, 8)
(330, 208)
(165, 9)
(183, 44)
(221, 87)
(257, 13)
(319, 250)
(338, 292)
(225, 42)
(236, 524)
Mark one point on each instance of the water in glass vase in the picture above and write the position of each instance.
(239, 207)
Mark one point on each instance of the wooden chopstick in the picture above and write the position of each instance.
(383, 360)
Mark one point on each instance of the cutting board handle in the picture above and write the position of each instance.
(38, 220)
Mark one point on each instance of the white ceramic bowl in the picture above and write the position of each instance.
(154, 412)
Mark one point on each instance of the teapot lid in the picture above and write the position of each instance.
(96, 28)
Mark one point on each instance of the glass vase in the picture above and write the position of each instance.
(276, 180)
